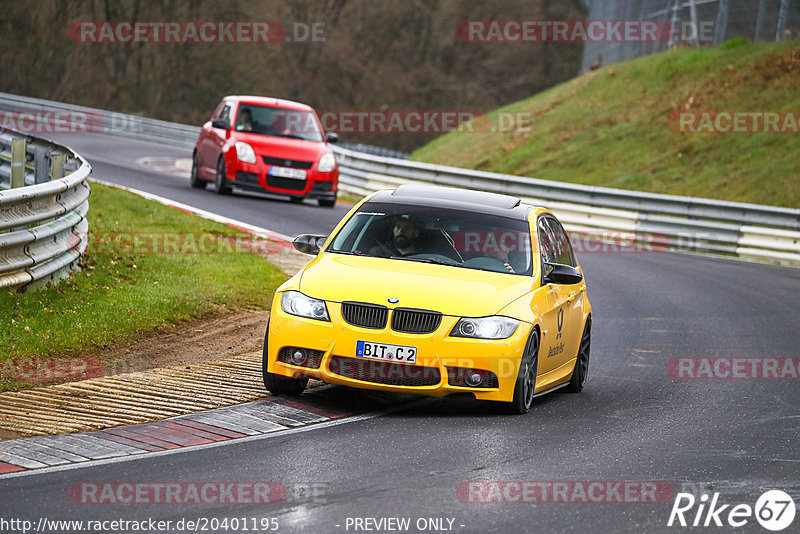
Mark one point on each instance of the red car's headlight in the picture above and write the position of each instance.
(327, 162)
(245, 152)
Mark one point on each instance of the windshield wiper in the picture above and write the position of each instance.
(435, 261)
(350, 252)
(293, 136)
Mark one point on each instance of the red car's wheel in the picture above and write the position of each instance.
(222, 183)
(195, 180)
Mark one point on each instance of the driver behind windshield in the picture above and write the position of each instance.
(245, 121)
(405, 240)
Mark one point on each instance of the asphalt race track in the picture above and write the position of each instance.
(115, 159)
(633, 422)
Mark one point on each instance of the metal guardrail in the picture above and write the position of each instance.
(751, 231)
(43, 226)
(374, 150)
(680, 223)
(108, 122)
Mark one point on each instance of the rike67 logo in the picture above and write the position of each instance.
(774, 510)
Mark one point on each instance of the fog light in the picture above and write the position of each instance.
(473, 378)
(299, 357)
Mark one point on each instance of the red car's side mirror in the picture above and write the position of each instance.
(223, 124)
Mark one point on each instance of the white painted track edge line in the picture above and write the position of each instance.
(257, 230)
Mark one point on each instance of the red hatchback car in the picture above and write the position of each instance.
(266, 144)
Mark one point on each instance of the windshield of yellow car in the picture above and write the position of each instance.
(459, 238)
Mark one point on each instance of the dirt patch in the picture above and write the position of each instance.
(779, 64)
(213, 337)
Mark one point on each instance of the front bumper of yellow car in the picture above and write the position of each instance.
(444, 364)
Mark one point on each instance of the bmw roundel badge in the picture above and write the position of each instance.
(393, 300)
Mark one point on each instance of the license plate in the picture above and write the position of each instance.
(389, 353)
(286, 172)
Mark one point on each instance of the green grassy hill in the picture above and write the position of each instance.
(611, 127)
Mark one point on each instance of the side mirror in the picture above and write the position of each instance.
(309, 243)
(332, 137)
(556, 273)
(223, 124)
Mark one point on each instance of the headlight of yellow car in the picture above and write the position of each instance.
(296, 303)
(495, 327)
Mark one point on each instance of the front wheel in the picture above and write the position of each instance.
(222, 183)
(327, 202)
(582, 361)
(277, 384)
(194, 179)
(526, 378)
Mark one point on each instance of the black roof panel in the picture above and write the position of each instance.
(463, 199)
(459, 195)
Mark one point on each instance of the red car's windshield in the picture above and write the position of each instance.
(280, 122)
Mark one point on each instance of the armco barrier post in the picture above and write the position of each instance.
(57, 162)
(17, 163)
(41, 164)
(57, 166)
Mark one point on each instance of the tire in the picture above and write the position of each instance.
(526, 378)
(195, 180)
(581, 370)
(296, 200)
(221, 182)
(327, 203)
(277, 384)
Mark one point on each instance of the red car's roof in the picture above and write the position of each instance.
(269, 101)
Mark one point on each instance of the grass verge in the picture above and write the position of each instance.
(126, 290)
(611, 127)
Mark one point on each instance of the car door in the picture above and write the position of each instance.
(553, 314)
(212, 141)
(570, 315)
(202, 147)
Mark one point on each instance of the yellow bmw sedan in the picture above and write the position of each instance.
(435, 291)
